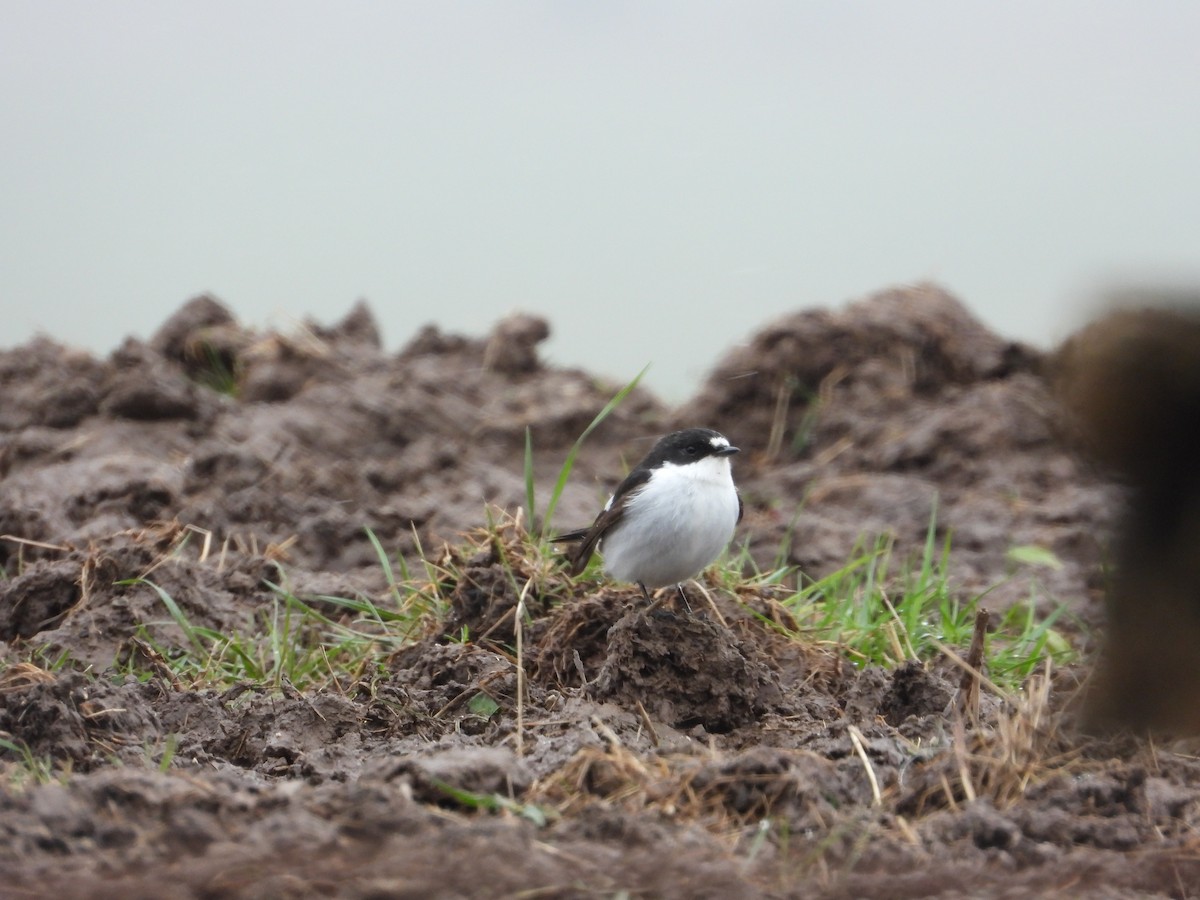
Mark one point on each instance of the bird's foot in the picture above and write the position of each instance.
(684, 599)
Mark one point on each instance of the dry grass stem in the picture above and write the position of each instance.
(856, 739)
(982, 679)
(207, 535)
(968, 686)
(898, 624)
(62, 548)
(519, 632)
(783, 400)
(649, 724)
(712, 604)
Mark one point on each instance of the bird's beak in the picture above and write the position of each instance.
(725, 451)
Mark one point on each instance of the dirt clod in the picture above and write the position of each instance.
(686, 671)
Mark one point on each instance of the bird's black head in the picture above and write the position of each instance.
(682, 447)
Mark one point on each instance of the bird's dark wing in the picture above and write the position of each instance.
(609, 516)
(580, 555)
(741, 507)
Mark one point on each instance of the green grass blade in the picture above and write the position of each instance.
(169, 747)
(189, 630)
(385, 562)
(565, 472)
(530, 498)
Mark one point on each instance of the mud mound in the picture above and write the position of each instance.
(490, 574)
(686, 671)
(892, 346)
(900, 409)
(571, 645)
(95, 605)
(298, 441)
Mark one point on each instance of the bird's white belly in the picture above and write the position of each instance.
(674, 527)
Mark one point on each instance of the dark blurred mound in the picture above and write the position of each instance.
(1132, 382)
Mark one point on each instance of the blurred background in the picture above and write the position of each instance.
(659, 179)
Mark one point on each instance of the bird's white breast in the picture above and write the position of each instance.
(675, 525)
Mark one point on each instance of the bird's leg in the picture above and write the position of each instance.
(683, 597)
(651, 605)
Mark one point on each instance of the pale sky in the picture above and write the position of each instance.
(659, 179)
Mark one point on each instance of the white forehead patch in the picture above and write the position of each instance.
(719, 442)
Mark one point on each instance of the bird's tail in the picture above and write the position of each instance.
(577, 556)
(567, 536)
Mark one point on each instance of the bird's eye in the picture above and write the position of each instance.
(691, 450)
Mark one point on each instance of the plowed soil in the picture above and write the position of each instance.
(658, 753)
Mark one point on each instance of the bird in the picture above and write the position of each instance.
(672, 515)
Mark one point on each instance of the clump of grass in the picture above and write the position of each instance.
(18, 676)
(417, 600)
(30, 768)
(876, 615)
(317, 641)
(739, 570)
(613, 774)
(1026, 743)
(294, 644)
(217, 368)
(479, 802)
